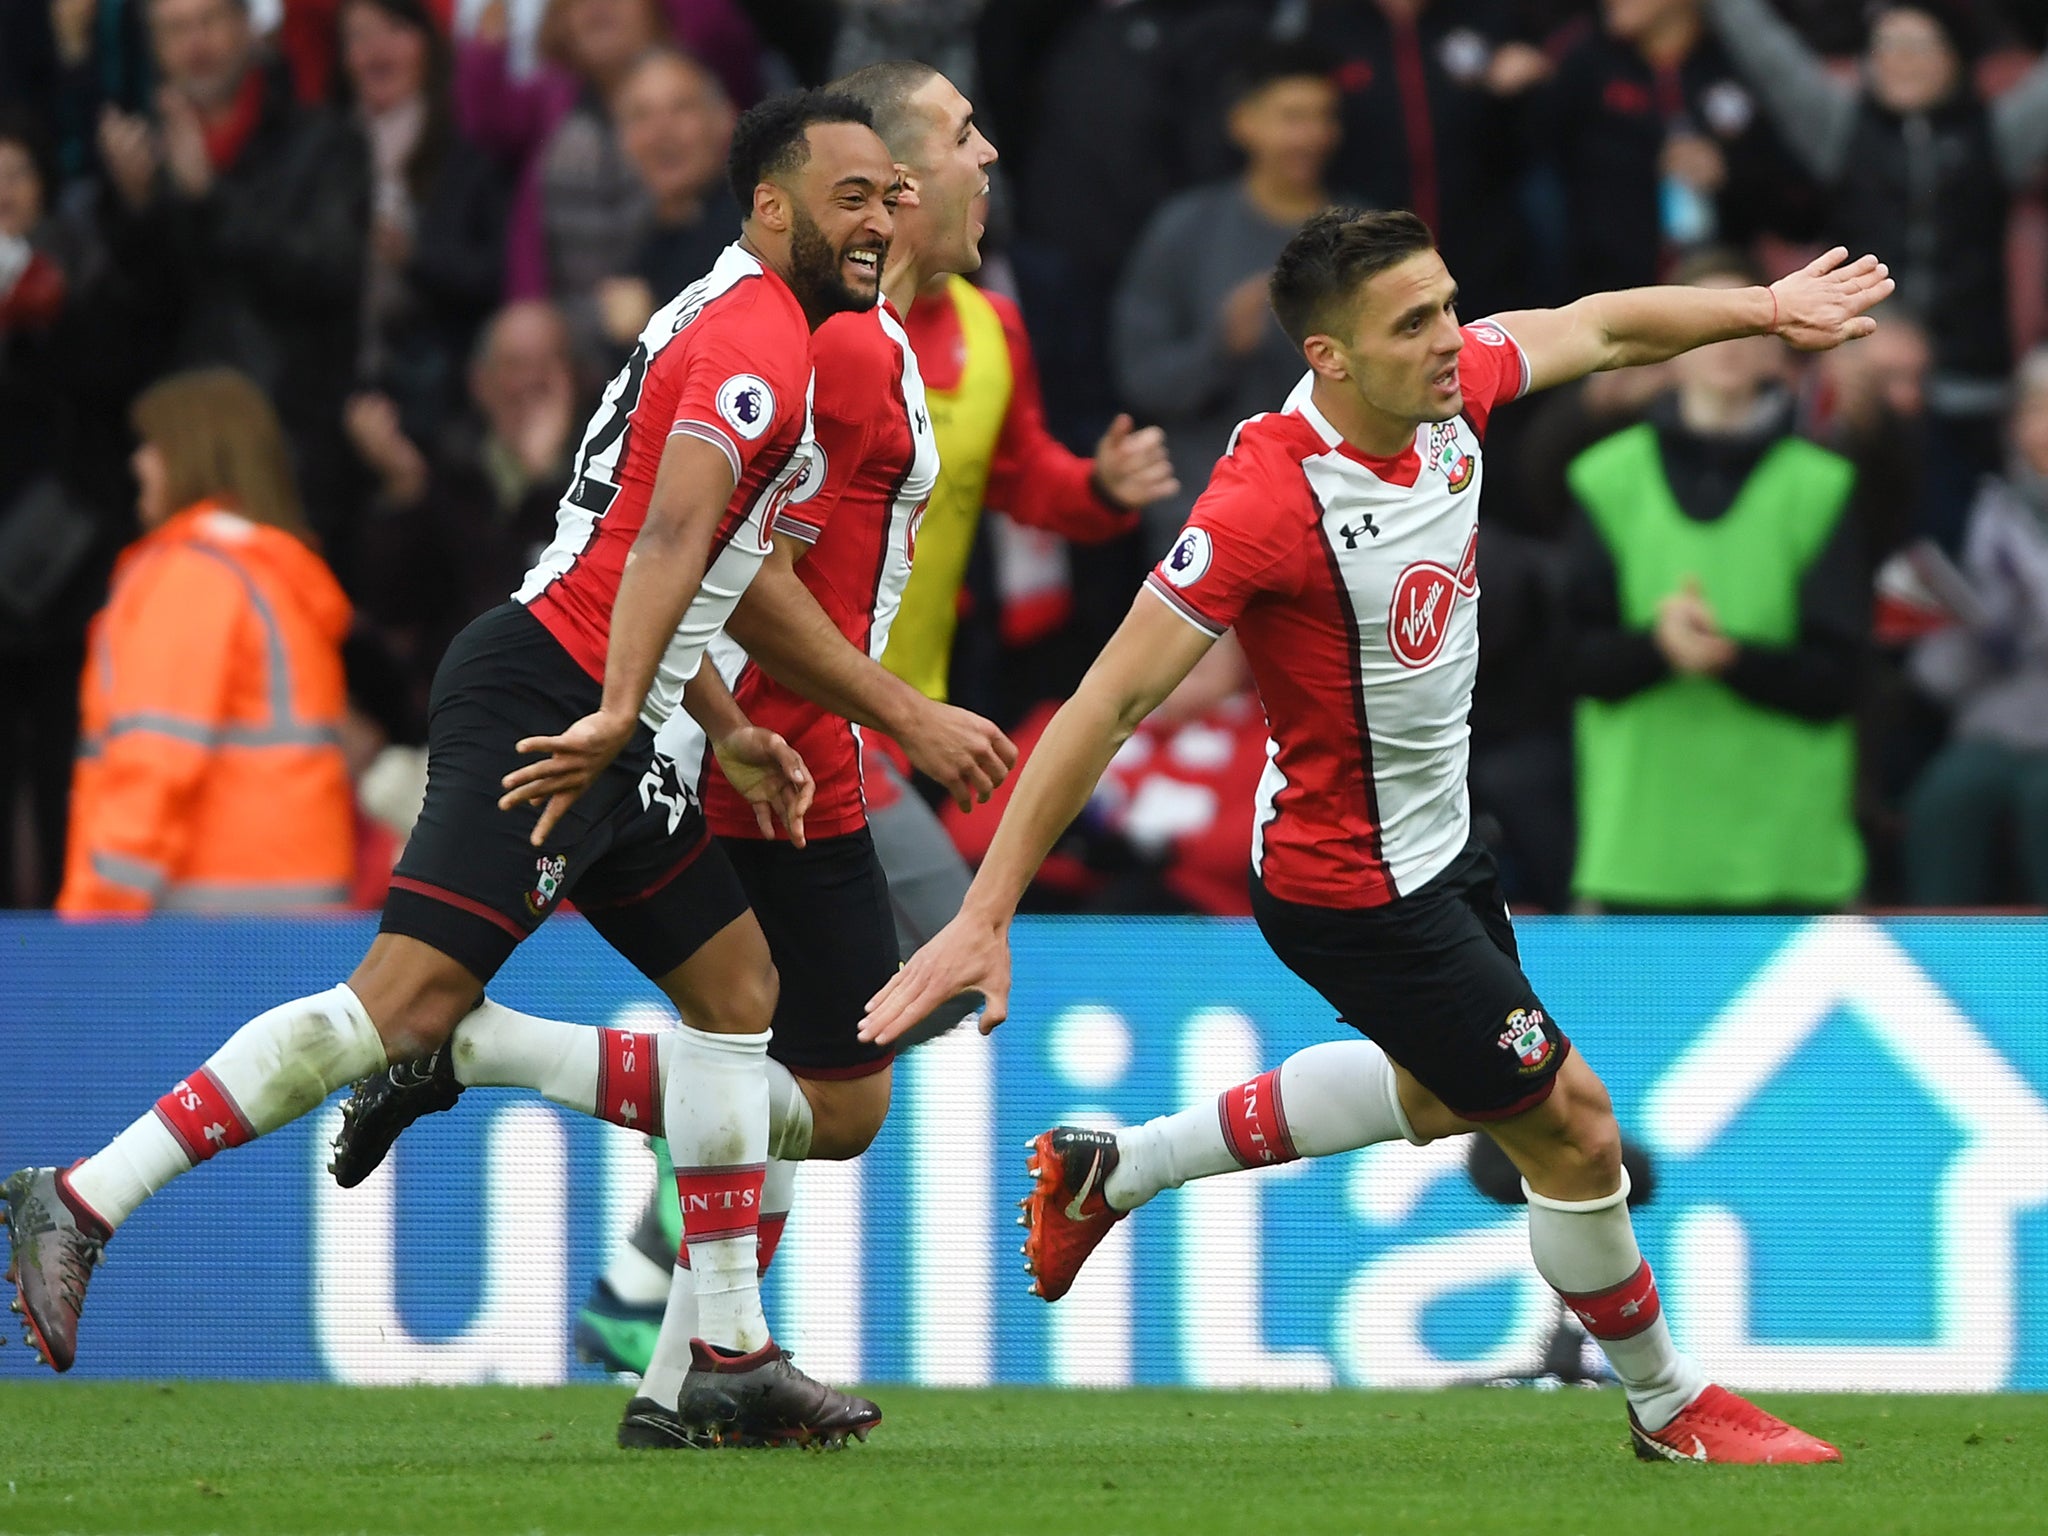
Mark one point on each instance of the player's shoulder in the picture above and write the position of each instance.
(1269, 449)
(856, 347)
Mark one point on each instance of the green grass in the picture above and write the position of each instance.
(214, 1457)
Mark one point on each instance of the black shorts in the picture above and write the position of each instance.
(633, 850)
(1434, 979)
(832, 931)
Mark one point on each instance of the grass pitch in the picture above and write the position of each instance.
(212, 1457)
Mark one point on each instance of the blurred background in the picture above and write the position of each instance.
(419, 235)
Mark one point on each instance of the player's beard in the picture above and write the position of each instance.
(817, 272)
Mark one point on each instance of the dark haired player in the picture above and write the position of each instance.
(697, 445)
(1336, 537)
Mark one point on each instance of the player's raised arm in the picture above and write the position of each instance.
(795, 642)
(1822, 305)
(1144, 661)
(663, 570)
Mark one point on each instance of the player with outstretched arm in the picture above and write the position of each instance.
(1337, 538)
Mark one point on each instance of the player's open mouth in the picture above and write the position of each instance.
(1446, 383)
(866, 262)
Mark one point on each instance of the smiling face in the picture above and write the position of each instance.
(675, 125)
(949, 167)
(1400, 358)
(838, 211)
(386, 60)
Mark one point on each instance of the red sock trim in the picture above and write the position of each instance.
(1254, 1124)
(203, 1116)
(720, 1202)
(1622, 1311)
(628, 1092)
(772, 1223)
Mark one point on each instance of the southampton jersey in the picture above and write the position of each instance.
(728, 360)
(1351, 583)
(858, 507)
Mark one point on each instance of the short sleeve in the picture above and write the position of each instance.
(730, 395)
(1246, 538)
(1492, 370)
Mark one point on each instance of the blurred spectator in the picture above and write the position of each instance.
(1169, 828)
(995, 454)
(1194, 342)
(1989, 786)
(1521, 752)
(580, 204)
(675, 126)
(240, 218)
(65, 61)
(1659, 144)
(48, 542)
(1431, 125)
(211, 777)
(450, 536)
(1127, 111)
(1868, 402)
(1920, 171)
(1720, 607)
(437, 209)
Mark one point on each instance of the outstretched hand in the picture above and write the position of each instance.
(967, 955)
(572, 761)
(1825, 302)
(769, 775)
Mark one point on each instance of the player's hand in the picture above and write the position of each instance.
(769, 775)
(967, 755)
(1825, 303)
(1131, 467)
(969, 954)
(573, 759)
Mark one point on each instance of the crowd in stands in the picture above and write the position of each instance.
(304, 305)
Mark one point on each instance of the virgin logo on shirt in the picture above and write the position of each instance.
(1425, 596)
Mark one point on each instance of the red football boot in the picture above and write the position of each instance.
(1065, 1215)
(1719, 1426)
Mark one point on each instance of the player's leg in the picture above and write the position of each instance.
(927, 877)
(442, 940)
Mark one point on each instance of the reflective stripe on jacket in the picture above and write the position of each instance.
(210, 774)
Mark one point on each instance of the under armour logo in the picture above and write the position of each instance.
(629, 1113)
(1631, 1308)
(923, 421)
(218, 1135)
(1351, 534)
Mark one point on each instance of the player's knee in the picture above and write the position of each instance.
(743, 1004)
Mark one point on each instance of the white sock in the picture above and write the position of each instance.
(1587, 1250)
(275, 1068)
(635, 1278)
(671, 1359)
(717, 1121)
(790, 1123)
(1333, 1097)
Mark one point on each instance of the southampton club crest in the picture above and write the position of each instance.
(548, 871)
(1448, 458)
(1527, 1040)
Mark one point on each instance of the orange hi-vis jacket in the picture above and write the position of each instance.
(210, 776)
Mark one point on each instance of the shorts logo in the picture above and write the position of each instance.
(660, 785)
(747, 404)
(548, 871)
(1526, 1039)
(1425, 597)
(1447, 456)
(1189, 558)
